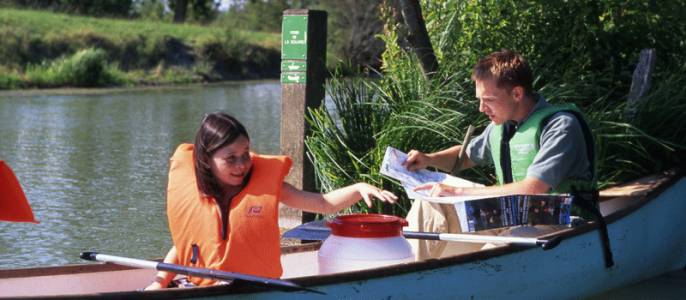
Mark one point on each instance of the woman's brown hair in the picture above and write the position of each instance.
(215, 132)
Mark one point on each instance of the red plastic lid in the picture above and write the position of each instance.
(367, 226)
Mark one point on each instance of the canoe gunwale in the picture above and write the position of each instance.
(62, 270)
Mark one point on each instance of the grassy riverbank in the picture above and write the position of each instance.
(40, 49)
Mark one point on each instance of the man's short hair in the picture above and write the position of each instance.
(509, 70)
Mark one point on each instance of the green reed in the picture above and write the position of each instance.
(406, 112)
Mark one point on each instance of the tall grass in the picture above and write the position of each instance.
(644, 139)
(348, 143)
(407, 113)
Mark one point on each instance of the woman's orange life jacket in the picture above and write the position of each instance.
(13, 204)
(252, 244)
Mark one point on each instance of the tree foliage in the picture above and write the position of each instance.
(574, 38)
(256, 15)
(198, 11)
(109, 8)
(354, 29)
(353, 26)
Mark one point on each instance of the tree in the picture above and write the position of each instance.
(419, 37)
(180, 8)
(152, 10)
(354, 26)
(201, 10)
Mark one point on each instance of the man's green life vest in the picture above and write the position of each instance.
(525, 143)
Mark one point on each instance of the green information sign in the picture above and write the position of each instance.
(293, 66)
(294, 37)
(293, 77)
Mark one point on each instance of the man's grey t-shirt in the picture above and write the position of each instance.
(562, 152)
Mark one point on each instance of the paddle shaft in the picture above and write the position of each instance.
(196, 272)
(460, 156)
(323, 232)
(545, 244)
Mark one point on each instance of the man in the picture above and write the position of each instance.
(536, 148)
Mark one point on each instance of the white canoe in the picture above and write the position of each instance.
(647, 233)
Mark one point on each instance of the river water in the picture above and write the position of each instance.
(94, 165)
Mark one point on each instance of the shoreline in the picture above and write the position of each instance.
(117, 89)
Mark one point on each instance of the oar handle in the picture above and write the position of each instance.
(549, 244)
(131, 262)
(473, 238)
(422, 235)
(88, 256)
(197, 272)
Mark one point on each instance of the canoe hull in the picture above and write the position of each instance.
(645, 243)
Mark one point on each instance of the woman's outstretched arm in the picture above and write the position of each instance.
(334, 201)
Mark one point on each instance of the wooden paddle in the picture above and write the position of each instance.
(460, 155)
(317, 231)
(269, 283)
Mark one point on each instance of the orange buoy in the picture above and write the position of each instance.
(13, 204)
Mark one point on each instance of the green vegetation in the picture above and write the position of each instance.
(582, 52)
(352, 29)
(202, 44)
(112, 8)
(34, 44)
(85, 68)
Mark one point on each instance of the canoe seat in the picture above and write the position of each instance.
(637, 188)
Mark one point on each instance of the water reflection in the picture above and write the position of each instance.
(94, 166)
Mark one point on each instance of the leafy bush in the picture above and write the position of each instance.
(9, 81)
(86, 68)
(83, 69)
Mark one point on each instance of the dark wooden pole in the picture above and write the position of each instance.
(303, 76)
(640, 82)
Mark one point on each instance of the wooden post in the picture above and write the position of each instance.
(640, 82)
(303, 70)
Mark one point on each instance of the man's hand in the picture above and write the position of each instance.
(416, 160)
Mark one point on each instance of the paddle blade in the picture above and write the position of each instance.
(13, 204)
(312, 231)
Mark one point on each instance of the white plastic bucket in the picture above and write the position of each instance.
(362, 241)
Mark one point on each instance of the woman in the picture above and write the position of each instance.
(223, 203)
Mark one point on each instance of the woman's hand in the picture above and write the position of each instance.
(367, 191)
(163, 278)
(156, 285)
